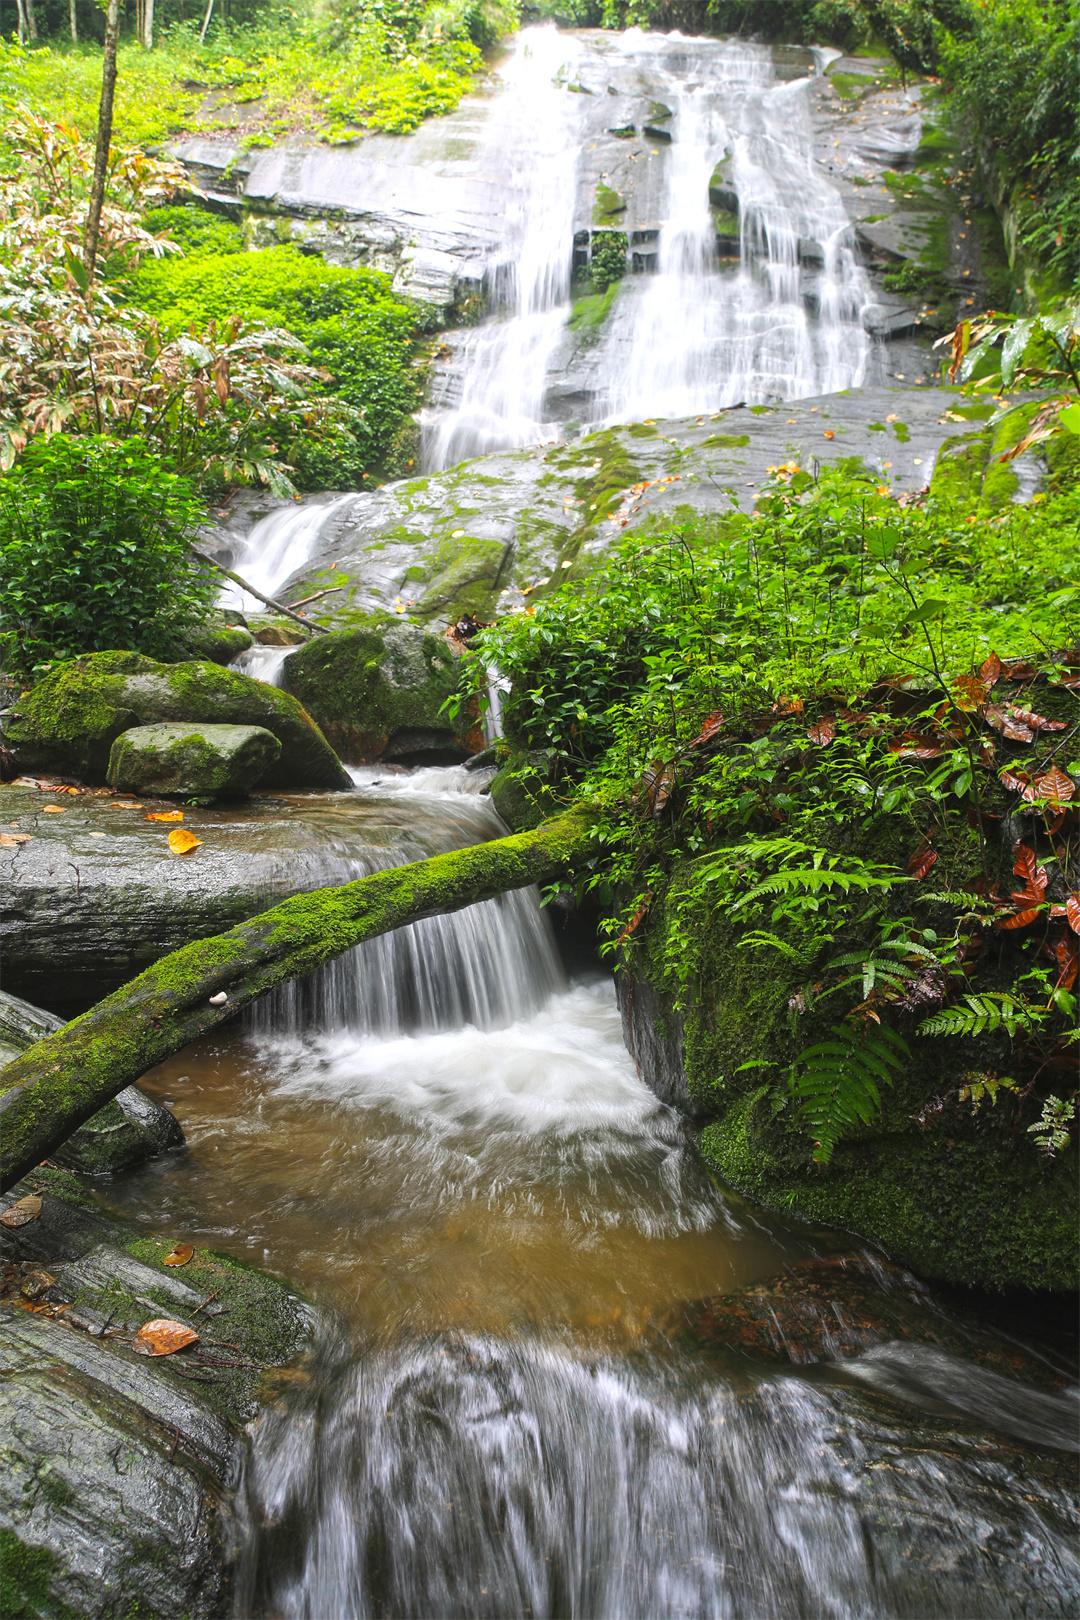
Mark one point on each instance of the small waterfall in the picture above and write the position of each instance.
(786, 320)
(277, 545)
(266, 664)
(484, 966)
(503, 364)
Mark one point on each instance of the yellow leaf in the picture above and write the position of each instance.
(22, 1211)
(125, 804)
(13, 840)
(52, 809)
(178, 1255)
(161, 1337)
(165, 815)
(181, 841)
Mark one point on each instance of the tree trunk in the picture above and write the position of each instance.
(73, 20)
(148, 24)
(104, 136)
(206, 21)
(56, 1084)
(31, 20)
(267, 601)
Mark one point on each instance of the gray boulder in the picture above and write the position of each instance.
(126, 1132)
(205, 762)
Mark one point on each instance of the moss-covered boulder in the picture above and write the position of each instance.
(126, 1132)
(203, 762)
(219, 642)
(69, 721)
(119, 1469)
(377, 690)
(958, 1194)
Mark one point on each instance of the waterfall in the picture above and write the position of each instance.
(279, 544)
(502, 365)
(754, 294)
(484, 966)
(263, 663)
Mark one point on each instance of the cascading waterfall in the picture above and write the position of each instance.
(786, 321)
(277, 545)
(504, 363)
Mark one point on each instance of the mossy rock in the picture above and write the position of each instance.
(967, 1199)
(220, 643)
(126, 1132)
(69, 721)
(202, 762)
(378, 689)
(520, 793)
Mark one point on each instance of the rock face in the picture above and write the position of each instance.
(69, 721)
(205, 762)
(118, 1468)
(377, 692)
(473, 537)
(95, 895)
(126, 1132)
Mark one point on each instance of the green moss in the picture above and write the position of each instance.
(26, 1579)
(589, 312)
(607, 205)
(725, 441)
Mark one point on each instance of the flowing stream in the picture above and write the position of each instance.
(508, 1412)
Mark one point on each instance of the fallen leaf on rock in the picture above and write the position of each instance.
(165, 815)
(828, 434)
(52, 809)
(823, 732)
(178, 1255)
(13, 840)
(125, 804)
(22, 1211)
(161, 1337)
(182, 842)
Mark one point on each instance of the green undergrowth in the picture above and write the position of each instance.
(802, 724)
(355, 329)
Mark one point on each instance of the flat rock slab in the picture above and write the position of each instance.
(115, 1493)
(95, 893)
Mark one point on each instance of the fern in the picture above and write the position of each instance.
(984, 1014)
(806, 883)
(836, 1083)
(875, 971)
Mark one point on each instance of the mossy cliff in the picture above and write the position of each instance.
(962, 1196)
(69, 721)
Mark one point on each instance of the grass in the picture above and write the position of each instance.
(251, 83)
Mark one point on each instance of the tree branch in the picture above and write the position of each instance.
(59, 1082)
(268, 601)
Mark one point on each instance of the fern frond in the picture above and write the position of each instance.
(837, 1082)
(983, 1015)
(809, 881)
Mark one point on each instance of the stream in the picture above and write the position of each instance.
(443, 1142)
(524, 1399)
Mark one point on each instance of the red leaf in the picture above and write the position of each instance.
(1019, 919)
(1017, 782)
(1072, 912)
(1056, 785)
(912, 746)
(659, 780)
(1067, 958)
(1008, 724)
(971, 692)
(1026, 866)
(637, 919)
(823, 732)
(921, 860)
(1036, 722)
(709, 727)
(990, 670)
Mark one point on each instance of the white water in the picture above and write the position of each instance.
(276, 546)
(784, 321)
(533, 135)
(703, 335)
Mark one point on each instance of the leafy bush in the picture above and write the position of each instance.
(94, 553)
(805, 710)
(350, 322)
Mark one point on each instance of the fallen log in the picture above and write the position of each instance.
(60, 1081)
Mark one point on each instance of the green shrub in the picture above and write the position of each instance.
(350, 321)
(94, 553)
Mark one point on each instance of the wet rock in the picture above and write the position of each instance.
(479, 533)
(220, 643)
(837, 1307)
(118, 1468)
(126, 1132)
(377, 691)
(69, 721)
(95, 895)
(520, 792)
(204, 762)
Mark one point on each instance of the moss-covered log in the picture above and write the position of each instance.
(57, 1083)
